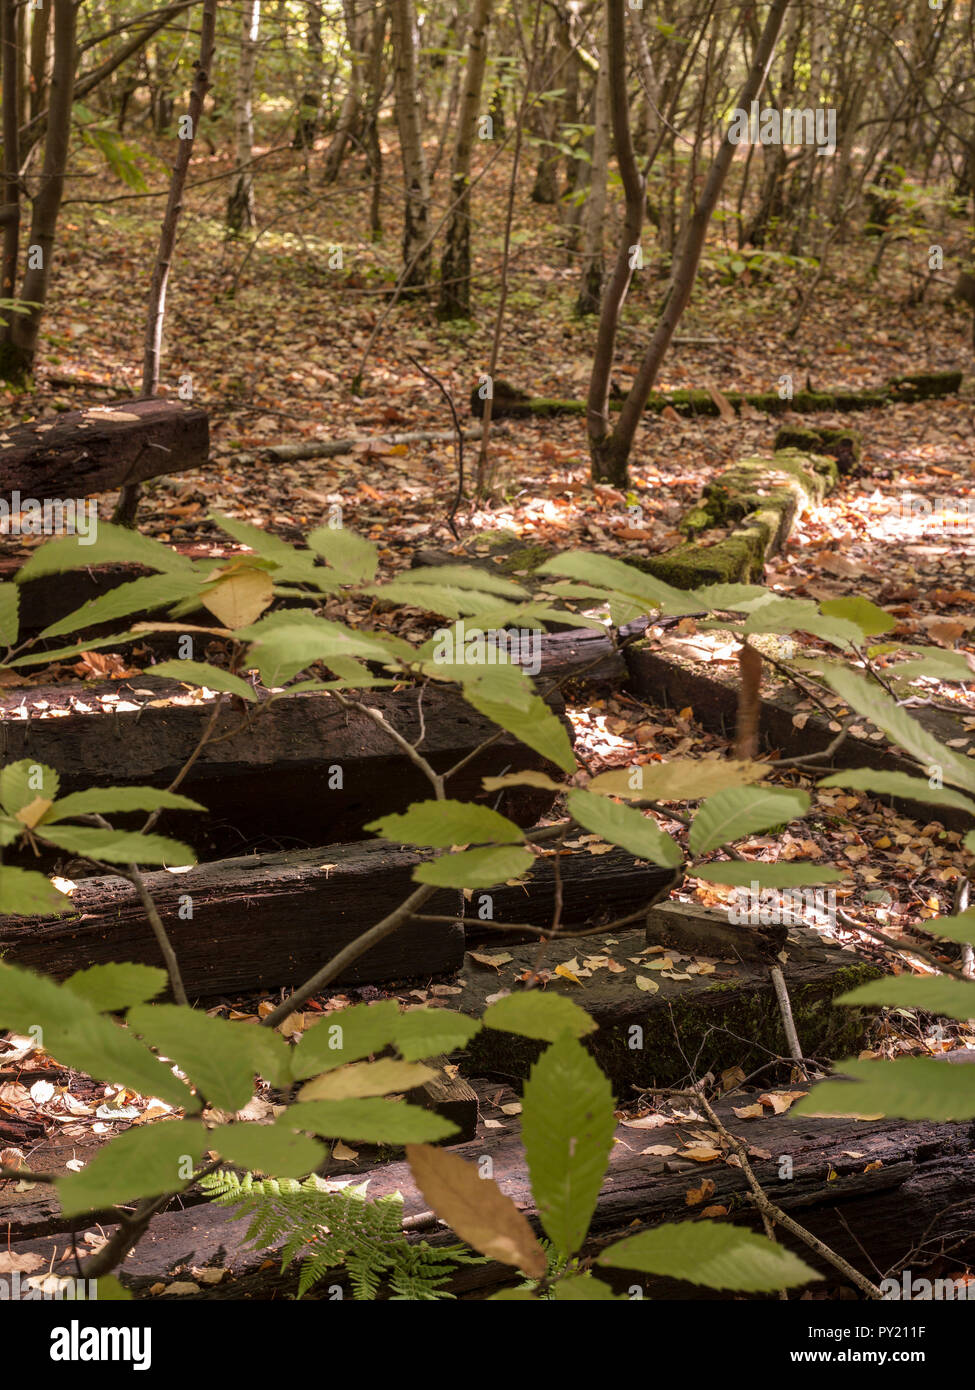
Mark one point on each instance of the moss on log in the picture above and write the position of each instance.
(510, 403)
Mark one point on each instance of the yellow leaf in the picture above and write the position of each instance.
(30, 814)
(475, 1208)
(567, 974)
(239, 596)
(645, 983)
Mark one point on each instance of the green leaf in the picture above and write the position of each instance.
(109, 988)
(870, 619)
(958, 928)
(475, 868)
(201, 673)
(213, 1052)
(728, 597)
(877, 706)
(26, 894)
(532, 1014)
(428, 1032)
(868, 779)
(359, 1079)
(78, 1036)
(718, 1256)
(467, 577)
(621, 825)
(345, 1036)
(285, 643)
(528, 778)
(270, 1054)
(445, 823)
(143, 1162)
(119, 846)
(935, 994)
(782, 615)
(138, 596)
(683, 779)
(623, 578)
(583, 1288)
(740, 811)
(89, 644)
(373, 1121)
(114, 545)
(107, 801)
(743, 873)
(911, 1088)
(567, 1127)
(486, 611)
(273, 1149)
(354, 559)
(23, 782)
(9, 614)
(288, 562)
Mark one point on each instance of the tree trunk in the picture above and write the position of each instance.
(455, 268)
(310, 110)
(11, 182)
(634, 189)
(19, 345)
(594, 213)
(349, 115)
(240, 205)
(156, 313)
(40, 33)
(374, 149)
(610, 452)
(417, 255)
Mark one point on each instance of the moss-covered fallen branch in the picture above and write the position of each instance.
(511, 403)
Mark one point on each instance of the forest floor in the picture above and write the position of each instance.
(271, 338)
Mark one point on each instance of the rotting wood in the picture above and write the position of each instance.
(103, 448)
(876, 1192)
(263, 922)
(301, 770)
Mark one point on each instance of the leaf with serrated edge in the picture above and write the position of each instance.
(910, 1088)
(374, 1120)
(621, 825)
(445, 823)
(476, 1209)
(428, 1032)
(683, 779)
(740, 811)
(379, 1078)
(145, 1161)
(533, 1014)
(475, 868)
(704, 1252)
(346, 1035)
(567, 1128)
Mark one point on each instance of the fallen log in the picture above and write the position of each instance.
(331, 448)
(510, 403)
(102, 448)
(298, 769)
(262, 922)
(876, 1193)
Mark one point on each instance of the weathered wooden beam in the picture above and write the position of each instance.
(301, 770)
(450, 1096)
(257, 923)
(875, 1192)
(102, 448)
